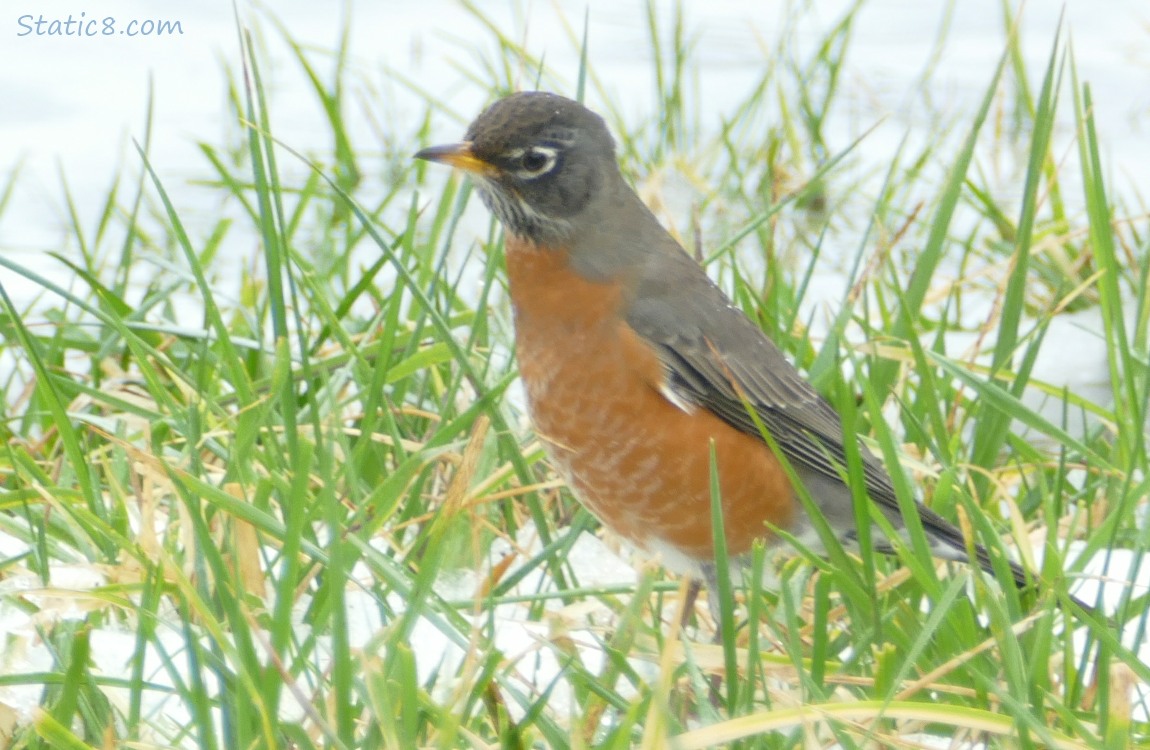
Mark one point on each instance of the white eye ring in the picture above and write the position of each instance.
(549, 155)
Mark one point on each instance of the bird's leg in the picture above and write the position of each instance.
(710, 577)
(692, 596)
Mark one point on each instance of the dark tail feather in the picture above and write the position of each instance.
(1024, 580)
(953, 546)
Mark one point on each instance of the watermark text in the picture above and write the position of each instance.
(83, 26)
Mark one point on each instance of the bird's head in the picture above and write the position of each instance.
(538, 160)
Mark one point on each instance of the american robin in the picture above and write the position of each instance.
(635, 363)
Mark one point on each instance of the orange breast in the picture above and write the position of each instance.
(637, 461)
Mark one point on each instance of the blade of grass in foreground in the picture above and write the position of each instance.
(883, 373)
(992, 426)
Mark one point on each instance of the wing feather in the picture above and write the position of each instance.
(732, 360)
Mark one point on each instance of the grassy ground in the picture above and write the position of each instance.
(311, 517)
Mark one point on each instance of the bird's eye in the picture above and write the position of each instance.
(537, 161)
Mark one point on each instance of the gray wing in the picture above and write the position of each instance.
(732, 360)
(733, 356)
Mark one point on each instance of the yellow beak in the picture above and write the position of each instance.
(460, 156)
